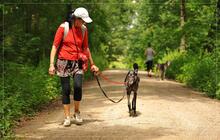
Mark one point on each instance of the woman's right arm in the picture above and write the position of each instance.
(52, 57)
(57, 41)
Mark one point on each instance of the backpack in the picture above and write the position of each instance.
(82, 56)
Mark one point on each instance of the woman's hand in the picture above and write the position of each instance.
(94, 69)
(52, 70)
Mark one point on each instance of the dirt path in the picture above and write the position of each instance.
(166, 110)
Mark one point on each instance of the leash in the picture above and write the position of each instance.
(103, 91)
(114, 82)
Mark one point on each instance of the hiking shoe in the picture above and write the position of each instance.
(78, 118)
(67, 122)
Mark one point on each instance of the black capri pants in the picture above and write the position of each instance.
(65, 70)
(66, 88)
(149, 64)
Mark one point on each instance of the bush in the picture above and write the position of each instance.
(218, 91)
(204, 76)
(198, 72)
(25, 90)
(177, 61)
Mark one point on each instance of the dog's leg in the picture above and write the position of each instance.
(158, 74)
(134, 103)
(162, 75)
(129, 103)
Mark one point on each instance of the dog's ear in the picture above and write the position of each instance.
(135, 66)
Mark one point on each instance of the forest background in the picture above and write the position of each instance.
(183, 32)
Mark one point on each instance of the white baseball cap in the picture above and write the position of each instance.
(83, 14)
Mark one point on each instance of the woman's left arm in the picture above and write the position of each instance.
(92, 65)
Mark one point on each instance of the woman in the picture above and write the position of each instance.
(149, 53)
(68, 64)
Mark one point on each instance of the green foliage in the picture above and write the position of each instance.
(118, 37)
(26, 89)
(216, 58)
(198, 72)
(218, 91)
(158, 23)
(177, 61)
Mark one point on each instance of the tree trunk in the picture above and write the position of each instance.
(218, 15)
(27, 14)
(182, 22)
(209, 43)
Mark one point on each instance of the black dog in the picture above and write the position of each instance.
(161, 69)
(132, 81)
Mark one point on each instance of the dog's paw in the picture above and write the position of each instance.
(131, 113)
(135, 115)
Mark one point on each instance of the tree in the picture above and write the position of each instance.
(182, 22)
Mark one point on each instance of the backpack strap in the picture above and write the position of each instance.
(66, 29)
(83, 28)
(65, 25)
